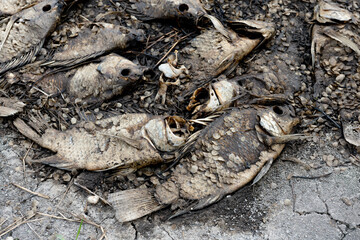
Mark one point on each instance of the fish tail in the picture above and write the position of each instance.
(27, 131)
(134, 203)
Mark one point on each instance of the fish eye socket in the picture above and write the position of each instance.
(183, 7)
(125, 72)
(46, 8)
(278, 110)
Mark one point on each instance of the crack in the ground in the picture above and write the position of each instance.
(136, 231)
(167, 233)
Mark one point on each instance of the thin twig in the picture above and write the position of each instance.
(27, 223)
(172, 47)
(23, 159)
(15, 225)
(66, 191)
(31, 192)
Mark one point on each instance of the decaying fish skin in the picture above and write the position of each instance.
(128, 141)
(227, 154)
(10, 7)
(166, 9)
(95, 81)
(211, 53)
(94, 41)
(10, 106)
(23, 35)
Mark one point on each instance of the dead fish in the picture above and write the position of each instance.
(10, 106)
(92, 41)
(128, 142)
(10, 7)
(329, 12)
(95, 81)
(166, 9)
(227, 154)
(213, 52)
(23, 35)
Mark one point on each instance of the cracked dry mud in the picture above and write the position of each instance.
(305, 195)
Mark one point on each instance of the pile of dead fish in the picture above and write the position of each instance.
(234, 133)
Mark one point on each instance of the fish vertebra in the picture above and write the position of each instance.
(226, 155)
(23, 35)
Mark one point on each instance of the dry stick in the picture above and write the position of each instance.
(159, 39)
(66, 191)
(31, 192)
(15, 225)
(173, 46)
(3, 222)
(74, 220)
(27, 223)
(91, 192)
(26, 154)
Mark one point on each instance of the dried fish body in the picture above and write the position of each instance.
(95, 81)
(217, 170)
(94, 40)
(23, 35)
(166, 9)
(329, 12)
(10, 7)
(216, 50)
(128, 141)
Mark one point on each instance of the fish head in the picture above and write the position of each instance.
(328, 12)
(190, 9)
(44, 16)
(278, 120)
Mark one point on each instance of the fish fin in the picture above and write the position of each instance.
(53, 62)
(343, 40)
(133, 204)
(6, 111)
(22, 60)
(56, 161)
(27, 131)
(199, 204)
(263, 171)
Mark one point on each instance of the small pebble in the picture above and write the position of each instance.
(93, 199)
(287, 202)
(73, 120)
(66, 177)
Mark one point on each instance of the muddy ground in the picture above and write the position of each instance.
(311, 192)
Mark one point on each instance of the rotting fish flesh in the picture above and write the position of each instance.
(95, 81)
(237, 147)
(166, 9)
(92, 41)
(350, 121)
(127, 142)
(23, 35)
